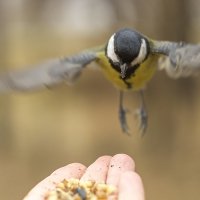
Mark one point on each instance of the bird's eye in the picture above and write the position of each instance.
(143, 53)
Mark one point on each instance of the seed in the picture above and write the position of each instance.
(74, 189)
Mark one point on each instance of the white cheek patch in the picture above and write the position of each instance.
(110, 50)
(142, 54)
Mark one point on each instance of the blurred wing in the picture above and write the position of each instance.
(47, 74)
(180, 60)
(163, 47)
(183, 61)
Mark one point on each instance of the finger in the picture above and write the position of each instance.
(98, 170)
(119, 164)
(130, 186)
(74, 170)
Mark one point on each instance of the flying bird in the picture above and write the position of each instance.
(128, 59)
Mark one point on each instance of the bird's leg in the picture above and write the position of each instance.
(122, 114)
(142, 114)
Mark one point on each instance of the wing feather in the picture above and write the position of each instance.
(180, 60)
(47, 74)
(183, 61)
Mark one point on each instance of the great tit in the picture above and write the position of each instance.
(129, 60)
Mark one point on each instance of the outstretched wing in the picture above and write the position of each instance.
(180, 60)
(47, 74)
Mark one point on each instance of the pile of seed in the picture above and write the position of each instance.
(74, 189)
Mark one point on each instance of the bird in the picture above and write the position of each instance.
(128, 59)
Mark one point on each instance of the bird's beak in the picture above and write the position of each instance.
(124, 68)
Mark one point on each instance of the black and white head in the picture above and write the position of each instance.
(127, 48)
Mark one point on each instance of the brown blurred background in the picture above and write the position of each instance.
(44, 130)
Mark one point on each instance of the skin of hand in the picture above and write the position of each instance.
(118, 170)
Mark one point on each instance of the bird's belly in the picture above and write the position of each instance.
(136, 81)
(144, 72)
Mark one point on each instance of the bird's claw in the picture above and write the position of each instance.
(143, 120)
(123, 121)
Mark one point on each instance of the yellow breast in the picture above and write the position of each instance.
(137, 81)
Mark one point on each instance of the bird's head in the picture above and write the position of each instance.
(127, 48)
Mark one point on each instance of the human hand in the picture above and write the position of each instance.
(118, 170)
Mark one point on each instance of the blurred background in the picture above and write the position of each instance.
(44, 130)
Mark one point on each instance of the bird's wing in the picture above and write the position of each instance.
(180, 60)
(47, 74)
